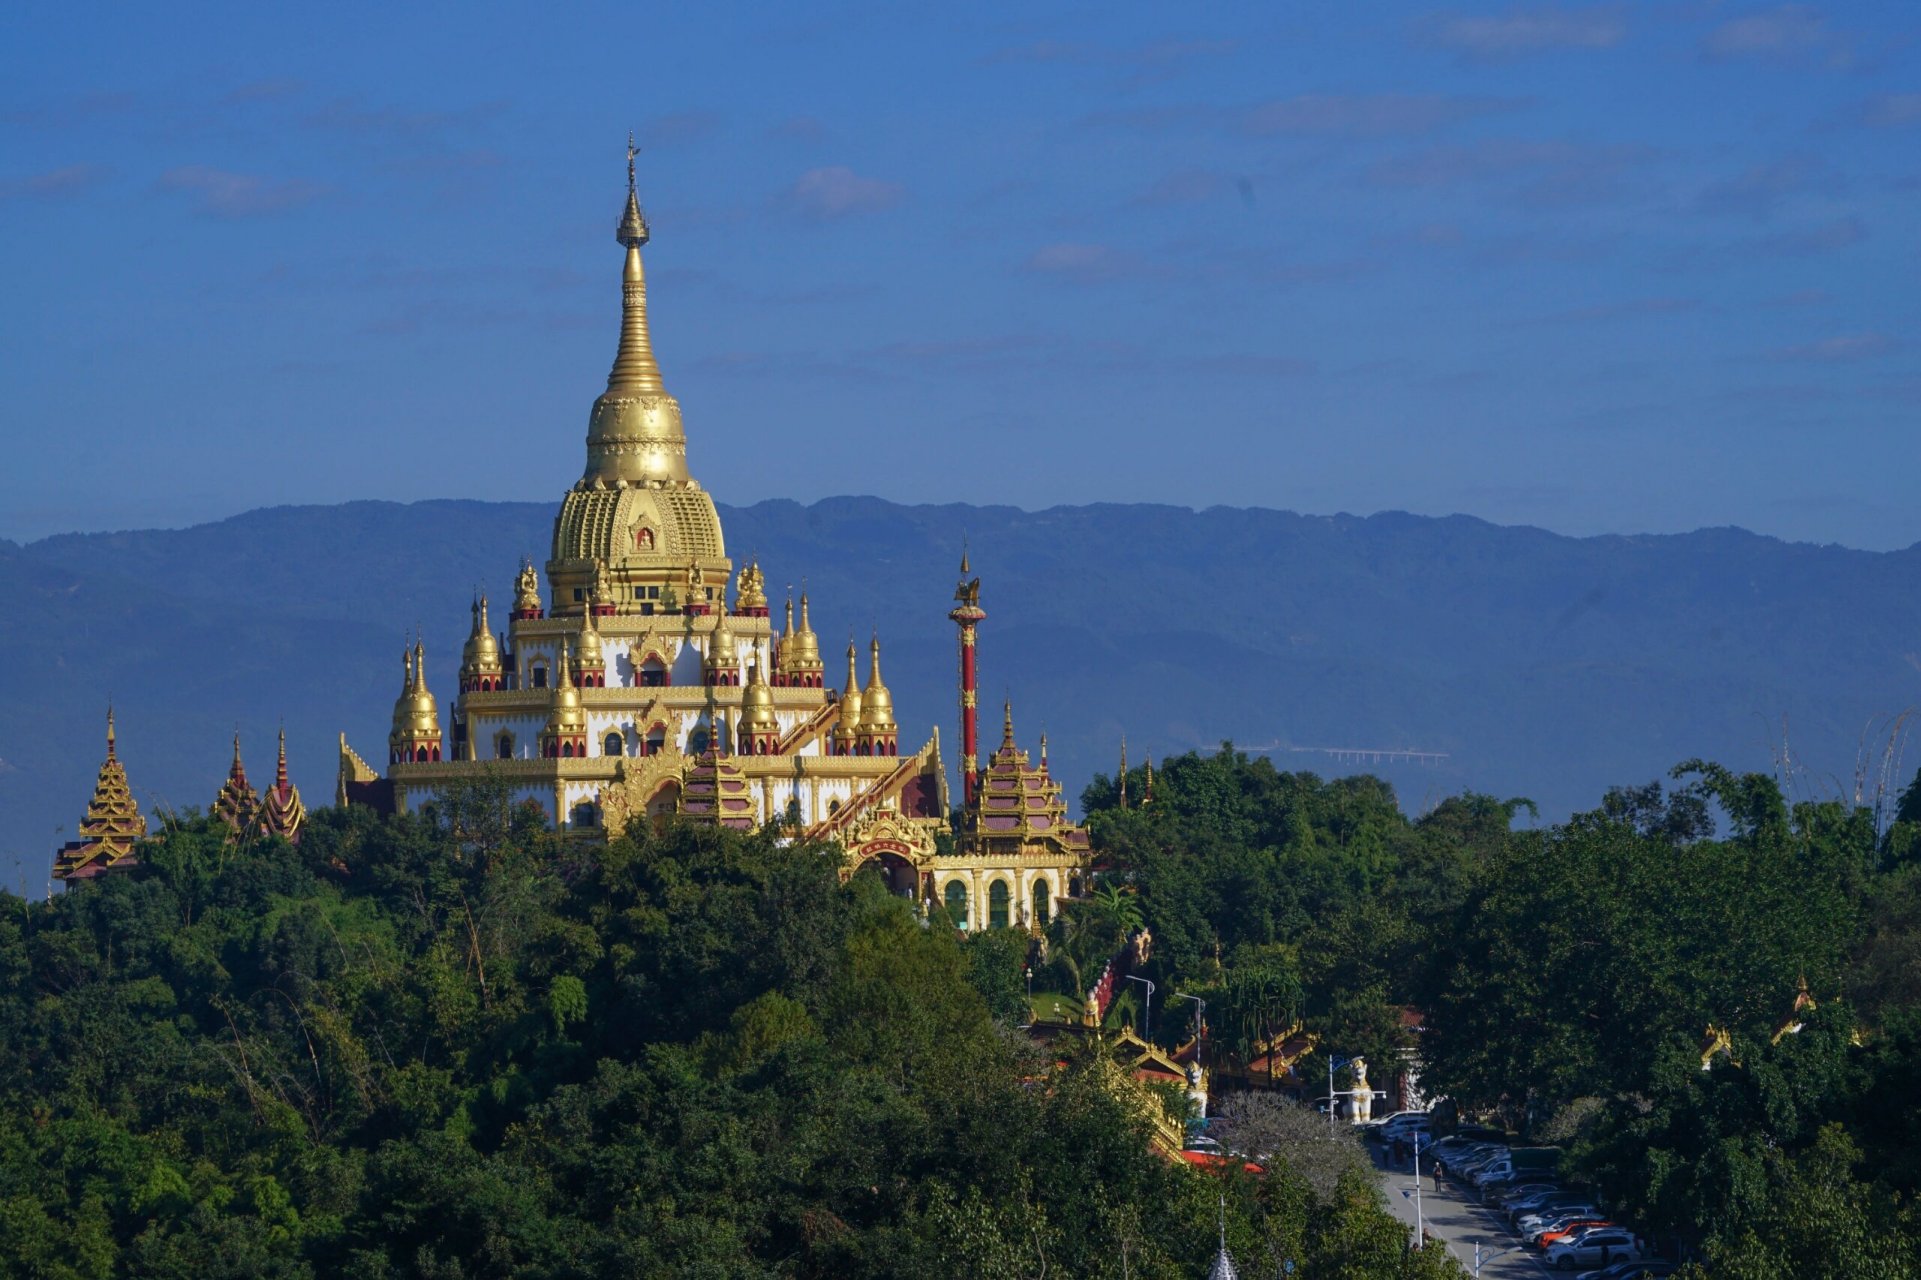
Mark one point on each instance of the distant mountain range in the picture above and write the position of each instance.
(1541, 665)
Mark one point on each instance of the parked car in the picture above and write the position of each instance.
(1645, 1269)
(1533, 1227)
(1597, 1247)
(1582, 1207)
(1570, 1230)
(1201, 1142)
(1543, 1203)
(1498, 1195)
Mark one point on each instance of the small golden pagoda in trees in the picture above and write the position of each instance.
(111, 829)
(238, 804)
(281, 813)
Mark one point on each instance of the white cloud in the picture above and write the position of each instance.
(837, 191)
(1841, 348)
(1536, 29)
(238, 195)
(1785, 33)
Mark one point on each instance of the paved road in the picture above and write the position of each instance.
(1460, 1222)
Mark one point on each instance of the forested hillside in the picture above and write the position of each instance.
(451, 1046)
(1545, 666)
(1709, 996)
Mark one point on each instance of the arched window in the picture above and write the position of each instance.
(697, 741)
(540, 675)
(653, 672)
(656, 739)
(615, 745)
(504, 746)
(586, 815)
(955, 896)
(1043, 902)
(567, 749)
(997, 905)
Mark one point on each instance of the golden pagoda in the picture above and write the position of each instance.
(281, 813)
(111, 829)
(238, 804)
(632, 690)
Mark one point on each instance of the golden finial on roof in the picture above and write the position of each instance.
(1123, 772)
(1007, 724)
(527, 589)
(110, 735)
(751, 590)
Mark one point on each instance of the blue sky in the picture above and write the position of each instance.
(1601, 268)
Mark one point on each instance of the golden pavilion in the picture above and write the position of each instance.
(629, 686)
(112, 827)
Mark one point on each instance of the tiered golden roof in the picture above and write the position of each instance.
(112, 827)
(281, 813)
(238, 804)
(1018, 806)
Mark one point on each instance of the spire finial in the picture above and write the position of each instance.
(110, 731)
(280, 770)
(1007, 723)
(632, 151)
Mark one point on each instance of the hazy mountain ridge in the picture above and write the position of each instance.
(1544, 665)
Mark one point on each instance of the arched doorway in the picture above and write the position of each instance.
(895, 871)
(662, 806)
(997, 899)
(955, 898)
(1043, 902)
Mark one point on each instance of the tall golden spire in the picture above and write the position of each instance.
(634, 433)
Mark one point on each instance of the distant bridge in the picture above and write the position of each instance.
(1370, 755)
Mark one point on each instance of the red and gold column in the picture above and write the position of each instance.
(967, 615)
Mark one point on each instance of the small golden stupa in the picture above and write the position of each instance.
(111, 829)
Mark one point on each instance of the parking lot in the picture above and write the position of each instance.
(1459, 1222)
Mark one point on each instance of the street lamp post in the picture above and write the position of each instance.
(1483, 1254)
(1147, 1019)
(1333, 1065)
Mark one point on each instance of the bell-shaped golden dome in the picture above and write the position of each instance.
(799, 646)
(416, 713)
(590, 656)
(481, 654)
(566, 717)
(876, 703)
(757, 705)
(850, 701)
(722, 654)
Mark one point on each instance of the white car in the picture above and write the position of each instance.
(1595, 1247)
